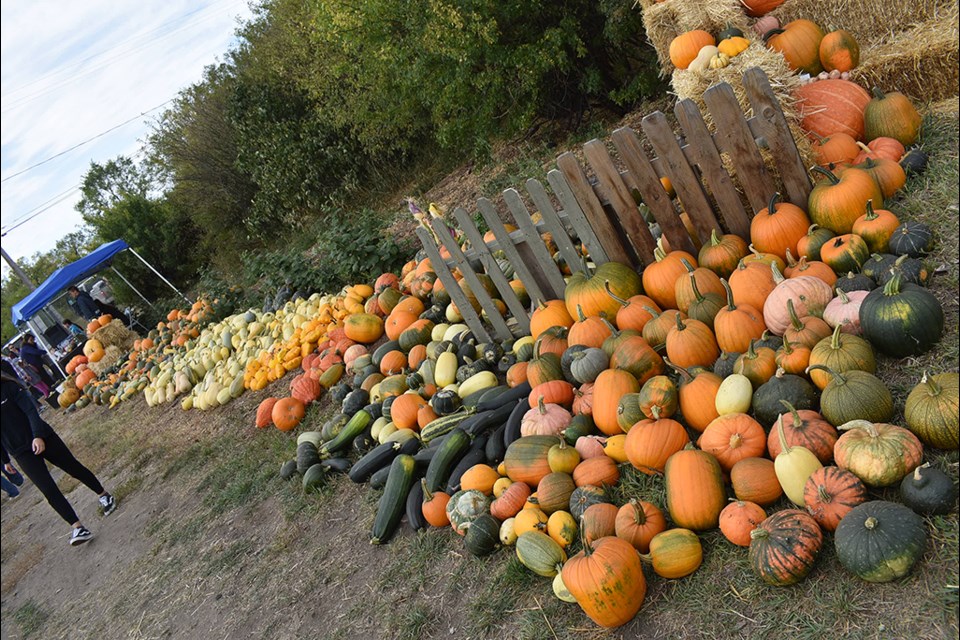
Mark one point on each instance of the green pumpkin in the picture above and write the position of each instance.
(483, 535)
(590, 293)
(288, 469)
(466, 506)
(841, 352)
(910, 270)
(932, 410)
(628, 411)
(584, 497)
(877, 264)
(782, 386)
(580, 425)
(901, 319)
(928, 491)
(880, 541)
(854, 395)
(912, 239)
(855, 282)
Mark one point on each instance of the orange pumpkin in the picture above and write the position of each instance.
(738, 519)
(799, 42)
(607, 581)
(305, 389)
(839, 51)
(650, 443)
(836, 202)
(599, 521)
(609, 387)
(695, 490)
(404, 410)
(733, 437)
(828, 107)
(835, 149)
(597, 472)
(736, 325)
(660, 277)
(778, 228)
(685, 47)
(755, 480)
(265, 413)
(691, 343)
(287, 413)
(638, 522)
(552, 313)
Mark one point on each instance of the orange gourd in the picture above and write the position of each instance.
(778, 228)
(650, 443)
(638, 522)
(660, 277)
(695, 490)
(736, 325)
(287, 413)
(738, 519)
(598, 471)
(607, 581)
(697, 397)
(404, 410)
(609, 387)
(685, 47)
(839, 51)
(755, 480)
(691, 343)
(733, 437)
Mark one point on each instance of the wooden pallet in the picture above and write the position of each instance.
(596, 206)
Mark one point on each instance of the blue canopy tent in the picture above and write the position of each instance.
(25, 310)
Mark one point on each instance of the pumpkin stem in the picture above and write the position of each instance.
(659, 253)
(580, 316)
(621, 301)
(693, 285)
(541, 406)
(639, 515)
(770, 34)
(836, 376)
(892, 288)
(835, 338)
(777, 276)
(935, 388)
(687, 377)
(791, 262)
(680, 325)
(870, 523)
(653, 312)
(730, 304)
(823, 495)
(781, 434)
(655, 411)
(844, 299)
(751, 353)
(787, 348)
(427, 496)
(871, 215)
(614, 332)
(714, 238)
(794, 318)
(830, 175)
(866, 425)
(878, 93)
(917, 476)
(797, 421)
(772, 207)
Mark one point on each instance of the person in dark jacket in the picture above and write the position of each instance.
(25, 436)
(82, 303)
(32, 356)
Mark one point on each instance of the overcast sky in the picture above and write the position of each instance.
(71, 71)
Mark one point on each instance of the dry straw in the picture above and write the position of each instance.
(664, 21)
(922, 62)
(692, 85)
(110, 356)
(117, 335)
(869, 21)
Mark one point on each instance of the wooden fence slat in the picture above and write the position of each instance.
(553, 223)
(685, 180)
(651, 189)
(493, 269)
(522, 215)
(592, 209)
(575, 216)
(476, 287)
(768, 116)
(737, 141)
(621, 200)
(492, 218)
(708, 158)
(450, 283)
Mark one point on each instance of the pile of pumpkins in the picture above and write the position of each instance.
(746, 371)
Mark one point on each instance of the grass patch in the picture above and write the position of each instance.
(30, 618)
(413, 621)
(127, 487)
(20, 563)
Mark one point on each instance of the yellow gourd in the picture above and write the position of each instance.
(719, 61)
(734, 395)
(793, 467)
(702, 61)
(733, 47)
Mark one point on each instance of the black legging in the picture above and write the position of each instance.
(35, 468)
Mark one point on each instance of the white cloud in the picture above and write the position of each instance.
(71, 70)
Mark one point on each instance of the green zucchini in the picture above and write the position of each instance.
(379, 479)
(476, 454)
(499, 396)
(415, 508)
(394, 498)
(351, 430)
(378, 457)
(512, 432)
(454, 447)
(487, 394)
(443, 425)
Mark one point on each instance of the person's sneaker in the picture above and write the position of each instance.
(108, 504)
(80, 535)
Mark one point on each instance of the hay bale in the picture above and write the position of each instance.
(110, 356)
(870, 21)
(664, 21)
(922, 62)
(692, 85)
(116, 334)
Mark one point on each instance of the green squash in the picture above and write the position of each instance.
(483, 535)
(288, 469)
(841, 352)
(854, 395)
(932, 410)
(314, 477)
(901, 319)
(466, 506)
(590, 292)
(584, 497)
(540, 553)
(928, 491)
(912, 239)
(580, 425)
(782, 386)
(880, 541)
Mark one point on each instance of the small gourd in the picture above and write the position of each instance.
(719, 61)
(733, 46)
(928, 491)
(734, 395)
(793, 467)
(702, 61)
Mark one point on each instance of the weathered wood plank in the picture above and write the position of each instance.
(605, 231)
(621, 200)
(705, 154)
(651, 189)
(685, 180)
(735, 138)
(492, 268)
(578, 221)
(768, 117)
(470, 317)
(522, 215)
(553, 223)
(492, 218)
(476, 287)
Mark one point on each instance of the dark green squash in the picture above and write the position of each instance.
(339, 391)
(483, 536)
(767, 399)
(914, 160)
(928, 491)
(567, 359)
(901, 319)
(332, 427)
(912, 239)
(384, 349)
(580, 425)
(855, 282)
(313, 478)
(394, 498)
(307, 456)
(767, 339)
(910, 270)
(877, 264)
(355, 400)
(723, 366)
(729, 31)
(932, 410)
(816, 237)
(587, 364)
(880, 541)
(584, 497)
(288, 469)
(841, 352)
(445, 402)
(854, 395)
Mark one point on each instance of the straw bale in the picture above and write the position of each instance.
(922, 62)
(116, 334)
(870, 21)
(664, 21)
(110, 356)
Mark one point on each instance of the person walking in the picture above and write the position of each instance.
(32, 442)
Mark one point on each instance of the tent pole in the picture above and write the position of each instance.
(114, 269)
(159, 275)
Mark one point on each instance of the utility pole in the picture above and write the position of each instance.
(17, 270)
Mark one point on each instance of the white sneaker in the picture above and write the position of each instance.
(79, 536)
(108, 504)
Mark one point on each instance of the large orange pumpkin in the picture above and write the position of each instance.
(609, 387)
(287, 413)
(685, 47)
(832, 106)
(695, 490)
(799, 42)
(778, 228)
(365, 328)
(840, 51)
(607, 580)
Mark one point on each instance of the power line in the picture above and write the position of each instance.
(87, 141)
(43, 204)
(44, 210)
